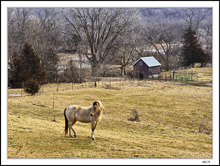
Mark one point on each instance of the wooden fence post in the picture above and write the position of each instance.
(53, 100)
(57, 84)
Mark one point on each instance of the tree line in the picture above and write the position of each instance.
(114, 36)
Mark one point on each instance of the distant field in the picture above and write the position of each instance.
(175, 121)
(204, 73)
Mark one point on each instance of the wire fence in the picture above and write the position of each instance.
(185, 77)
(115, 83)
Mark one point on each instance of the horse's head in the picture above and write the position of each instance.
(97, 108)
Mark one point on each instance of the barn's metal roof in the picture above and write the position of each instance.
(149, 61)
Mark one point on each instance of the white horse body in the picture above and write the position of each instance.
(77, 113)
(91, 114)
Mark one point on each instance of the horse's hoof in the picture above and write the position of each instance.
(75, 136)
(93, 138)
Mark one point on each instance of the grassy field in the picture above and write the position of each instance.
(175, 121)
(204, 74)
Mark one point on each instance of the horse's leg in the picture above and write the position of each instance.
(74, 132)
(93, 126)
(70, 132)
(70, 127)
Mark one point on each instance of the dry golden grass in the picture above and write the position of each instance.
(170, 117)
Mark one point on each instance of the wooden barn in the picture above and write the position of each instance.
(146, 67)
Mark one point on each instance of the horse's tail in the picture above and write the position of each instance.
(66, 122)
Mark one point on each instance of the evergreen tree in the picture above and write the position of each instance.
(32, 71)
(32, 67)
(26, 69)
(15, 74)
(192, 51)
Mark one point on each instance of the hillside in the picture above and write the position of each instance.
(171, 13)
(175, 121)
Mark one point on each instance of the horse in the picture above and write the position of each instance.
(91, 114)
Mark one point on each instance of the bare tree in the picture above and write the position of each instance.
(194, 17)
(45, 34)
(18, 21)
(207, 39)
(98, 29)
(81, 51)
(40, 27)
(163, 39)
(124, 52)
(200, 21)
(46, 31)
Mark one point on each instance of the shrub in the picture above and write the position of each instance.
(135, 116)
(31, 86)
(204, 128)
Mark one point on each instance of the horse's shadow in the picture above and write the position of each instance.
(80, 139)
